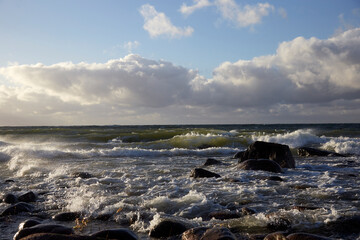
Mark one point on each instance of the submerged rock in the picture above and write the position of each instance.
(279, 224)
(82, 175)
(194, 233)
(211, 161)
(18, 208)
(202, 173)
(10, 198)
(121, 234)
(167, 228)
(260, 164)
(265, 150)
(225, 214)
(218, 233)
(43, 228)
(66, 216)
(28, 197)
(310, 152)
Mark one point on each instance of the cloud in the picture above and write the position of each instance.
(130, 46)
(158, 24)
(198, 4)
(305, 80)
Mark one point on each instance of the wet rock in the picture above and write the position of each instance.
(167, 228)
(260, 164)
(305, 236)
(28, 197)
(9, 181)
(56, 236)
(247, 211)
(279, 224)
(82, 175)
(194, 233)
(43, 228)
(121, 234)
(202, 173)
(211, 161)
(218, 233)
(225, 214)
(275, 236)
(273, 151)
(10, 198)
(304, 208)
(104, 217)
(239, 155)
(310, 152)
(18, 208)
(66, 216)
(275, 178)
(28, 223)
(345, 225)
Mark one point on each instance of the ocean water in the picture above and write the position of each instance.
(141, 174)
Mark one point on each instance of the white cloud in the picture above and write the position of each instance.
(130, 46)
(158, 24)
(198, 4)
(305, 80)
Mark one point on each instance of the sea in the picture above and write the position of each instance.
(135, 176)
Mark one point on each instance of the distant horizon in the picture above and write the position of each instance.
(197, 61)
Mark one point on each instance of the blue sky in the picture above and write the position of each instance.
(203, 45)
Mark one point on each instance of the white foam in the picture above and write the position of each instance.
(344, 145)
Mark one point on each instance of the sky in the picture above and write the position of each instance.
(101, 62)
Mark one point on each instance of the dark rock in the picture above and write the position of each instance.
(275, 178)
(27, 197)
(9, 181)
(194, 233)
(310, 152)
(43, 228)
(167, 228)
(247, 211)
(279, 224)
(275, 236)
(18, 208)
(104, 217)
(222, 215)
(305, 236)
(211, 161)
(239, 154)
(66, 216)
(10, 198)
(28, 223)
(82, 175)
(202, 173)
(345, 225)
(304, 208)
(56, 236)
(121, 234)
(218, 233)
(260, 164)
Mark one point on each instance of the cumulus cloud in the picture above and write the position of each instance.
(198, 4)
(305, 79)
(158, 24)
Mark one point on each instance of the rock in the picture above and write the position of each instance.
(43, 228)
(275, 236)
(247, 211)
(56, 236)
(222, 215)
(275, 178)
(82, 175)
(239, 155)
(194, 233)
(304, 208)
(121, 234)
(218, 233)
(66, 216)
(260, 164)
(28, 223)
(202, 173)
(211, 161)
(10, 198)
(310, 152)
(27, 197)
(9, 181)
(18, 208)
(305, 236)
(167, 228)
(279, 224)
(273, 151)
(345, 225)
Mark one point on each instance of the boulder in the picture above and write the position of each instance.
(202, 173)
(305, 236)
(167, 228)
(43, 228)
(66, 216)
(275, 236)
(27, 197)
(194, 233)
(310, 152)
(10, 198)
(260, 164)
(121, 234)
(211, 161)
(28, 223)
(345, 225)
(218, 233)
(275, 178)
(18, 208)
(56, 236)
(273, 151)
